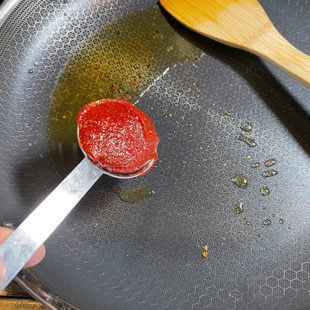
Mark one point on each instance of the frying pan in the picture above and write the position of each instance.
(112, 254)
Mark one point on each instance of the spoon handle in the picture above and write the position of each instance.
(41, 223)
(272, 46)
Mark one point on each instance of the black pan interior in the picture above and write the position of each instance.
(112, 254)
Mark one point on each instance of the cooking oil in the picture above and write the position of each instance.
(269, 173)
(265, 190)
(238, 207)
(136, 195)
(247, 126)
(240, 180)
(249, 141)
(120, 60)
(255, 165)
(270, 162)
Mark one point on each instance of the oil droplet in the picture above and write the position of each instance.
(249, 141)
(267, 222)
(238, 207)
(247, 126)
(265, 190)
(166, 114)
(30, 71)
(281, 221)
(255, 165)
(269, 173)
(270, 162)
(135, 195)
(240, 180)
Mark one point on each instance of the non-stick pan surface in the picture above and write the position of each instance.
(112, 254)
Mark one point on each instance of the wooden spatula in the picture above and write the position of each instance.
(242, 24)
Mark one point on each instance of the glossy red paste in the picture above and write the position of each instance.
(117, 136)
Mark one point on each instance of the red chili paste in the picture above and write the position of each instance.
(117, 136)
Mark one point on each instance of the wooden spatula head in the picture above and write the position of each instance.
(242, 24)
(232, 22)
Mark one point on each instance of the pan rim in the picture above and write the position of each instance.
(39, 292)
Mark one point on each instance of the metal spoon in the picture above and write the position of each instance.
(41, 223)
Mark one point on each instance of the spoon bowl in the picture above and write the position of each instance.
(143, 170)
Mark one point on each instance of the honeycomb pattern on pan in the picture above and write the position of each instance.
(109, 254)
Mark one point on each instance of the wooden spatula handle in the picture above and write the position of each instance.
(272, 46)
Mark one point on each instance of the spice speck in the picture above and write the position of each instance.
(205, 247)
(204, 254)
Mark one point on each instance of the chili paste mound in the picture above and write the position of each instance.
(117, 136)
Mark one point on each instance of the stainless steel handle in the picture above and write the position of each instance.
(41, 223)
(6, 7)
